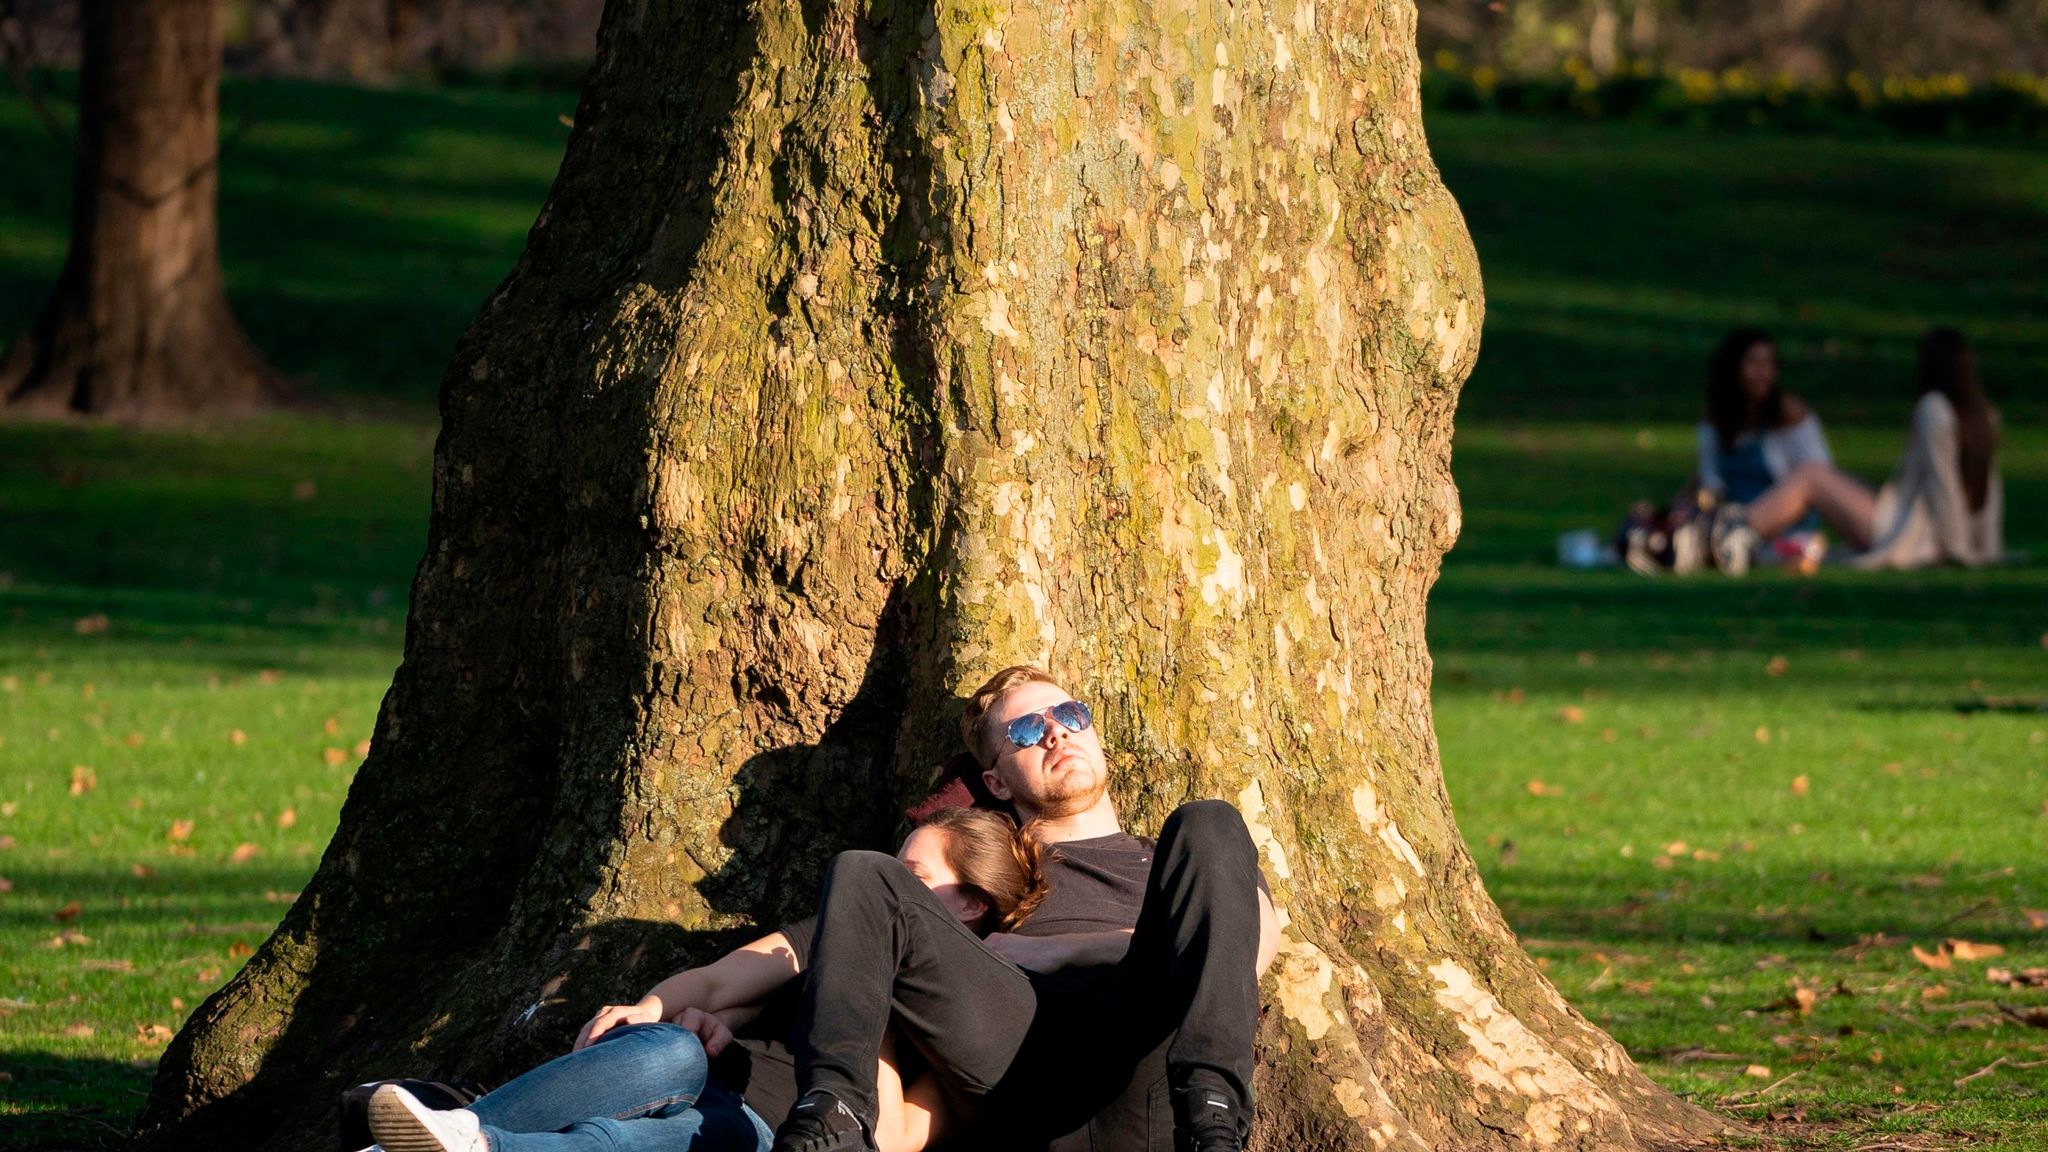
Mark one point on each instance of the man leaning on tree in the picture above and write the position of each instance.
(1135, 943)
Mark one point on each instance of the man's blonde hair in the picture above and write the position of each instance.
(974, 721)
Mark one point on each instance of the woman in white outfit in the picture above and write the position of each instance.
(1944, 502)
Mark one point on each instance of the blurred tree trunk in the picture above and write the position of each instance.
(138, 325)
(866, 346)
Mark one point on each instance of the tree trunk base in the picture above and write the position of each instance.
(194, 362)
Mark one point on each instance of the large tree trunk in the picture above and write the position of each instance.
(863, 348)
(138, 325)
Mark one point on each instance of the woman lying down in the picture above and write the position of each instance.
(638, 1077)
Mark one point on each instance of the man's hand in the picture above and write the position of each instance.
(709, 1029)
(1068, 950)
(611, 1016)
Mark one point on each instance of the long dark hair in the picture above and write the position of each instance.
(1729, 408)
(995, 859)
(1949, 367)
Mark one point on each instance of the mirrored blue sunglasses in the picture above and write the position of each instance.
(1072, 715)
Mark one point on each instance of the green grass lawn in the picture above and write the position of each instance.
(1701, 802)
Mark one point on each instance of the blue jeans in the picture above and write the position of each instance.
(639, 1088)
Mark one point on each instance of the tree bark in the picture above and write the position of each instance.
(138, 325)
(862, 349)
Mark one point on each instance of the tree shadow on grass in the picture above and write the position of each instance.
(69, 1102)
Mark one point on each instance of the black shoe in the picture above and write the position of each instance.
(821, 1122)
(1208, 1121)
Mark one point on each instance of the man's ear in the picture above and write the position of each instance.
(996, 787)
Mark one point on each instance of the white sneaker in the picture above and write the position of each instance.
(402, 1124)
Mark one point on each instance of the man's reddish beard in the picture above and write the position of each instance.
(1067, 796)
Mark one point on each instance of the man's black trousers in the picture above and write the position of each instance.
(1042, 1052)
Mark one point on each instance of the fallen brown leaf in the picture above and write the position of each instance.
(1966, 950)
(78, 1031)
(2036, 919)
(362, 749)
(68, 912)
(141, 871)
(91, 625)
(1539, 788)
(69, 936)
(1936, 959)
(1572, 714)
(1777, 667)
(181, 830)
(1760, 1071)
(287, 818)
(153, 1033)
(335, 757)
(1763, 735)
(1801, 786)
(269, 676)
(2024, 978)
(6, 885)
(83, 779)
(237, 737)
(243, 853)
(238, 950)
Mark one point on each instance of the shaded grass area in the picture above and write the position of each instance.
(253, 579)
(360, 228)
(1615, 255)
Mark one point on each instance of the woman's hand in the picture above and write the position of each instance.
(714, 1032)
(612, 1016)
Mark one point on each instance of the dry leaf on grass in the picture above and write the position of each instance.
(1539, 788)
(335, 757)
(68, 912)
(238, 950)
(69, 937)
(6, 842)
(181, 830)
(1763, 735)
(287, 818)
(6, 885)
(362, 749)
(79, 1031)
(2023, 978)
(1966, 950)
(237, 737)
(1760, 1071)
(141, 871)
(83, 779)
(2036, 919)
(1777, 667)
(153, 1033)
(243, 853)
(1572, 714)
(91, 625)
(1801, 786)
(1935, 959)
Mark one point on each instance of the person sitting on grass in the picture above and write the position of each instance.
(1944, 501)
(1034, 1029)
(638, 1078)
(1755, 433)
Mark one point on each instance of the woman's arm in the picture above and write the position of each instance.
(1709, 466)
(908, 1118)
(739, 979)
